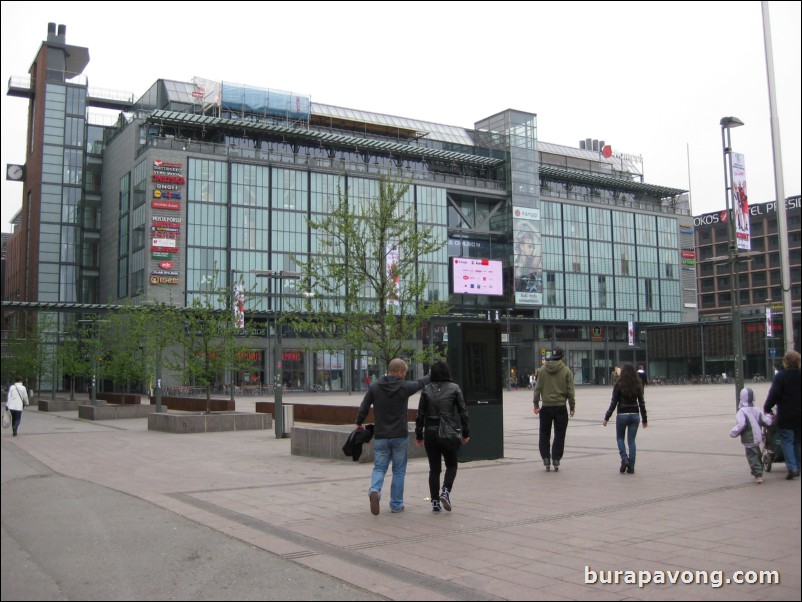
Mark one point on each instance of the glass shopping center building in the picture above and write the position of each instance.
(207, 179)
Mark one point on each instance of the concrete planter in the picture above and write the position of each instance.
(114, 411)
(208, 423)
(326, 441)
(60, 405)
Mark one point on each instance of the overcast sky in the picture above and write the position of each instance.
(648, 78)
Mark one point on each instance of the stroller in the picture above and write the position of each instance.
(772, 450)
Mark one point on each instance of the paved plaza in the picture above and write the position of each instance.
(111, 511)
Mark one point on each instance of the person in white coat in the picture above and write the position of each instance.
(749, 422)
(16, 400)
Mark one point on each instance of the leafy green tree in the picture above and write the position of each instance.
(368, 287)
(73, 361)
(123, 360)
(208, 344)
(28, 349)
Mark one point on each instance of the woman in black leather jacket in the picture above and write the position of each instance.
(440, 396)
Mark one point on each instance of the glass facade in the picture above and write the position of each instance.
(581, 255)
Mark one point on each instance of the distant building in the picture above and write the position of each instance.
(707, 347)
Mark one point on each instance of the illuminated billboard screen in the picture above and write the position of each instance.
(471, 276)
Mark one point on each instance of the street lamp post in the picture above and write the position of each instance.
(727, 123)
(278, 407)
(646, 348)
(509, 353)
(631, 340)
(769, 327)
(234, 309)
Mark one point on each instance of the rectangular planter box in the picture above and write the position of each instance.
(59, 405)
(114, 412)
(208, 423)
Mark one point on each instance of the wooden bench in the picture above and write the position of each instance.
(323, 414)
(120, 398)
(195, 404)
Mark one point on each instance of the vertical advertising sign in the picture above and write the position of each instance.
(631, 333)
(740, 202)
(527, 256)
(239, 306)
(769, 324)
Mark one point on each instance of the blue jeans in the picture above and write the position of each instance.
(789, 438)
(627, 424)
(385, 450)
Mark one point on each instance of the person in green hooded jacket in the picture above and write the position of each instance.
(554, 387)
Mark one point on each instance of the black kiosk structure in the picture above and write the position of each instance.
(474, 356)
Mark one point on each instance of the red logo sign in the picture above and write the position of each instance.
(172, 205)
(166, 265)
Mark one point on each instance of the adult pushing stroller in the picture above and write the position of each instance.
(772, 449)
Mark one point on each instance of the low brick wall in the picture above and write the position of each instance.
(324, 414)
(195, 404)
(327, 442)
(115, 411)
(208, 423)
(120, 398)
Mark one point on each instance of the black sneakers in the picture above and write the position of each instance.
(624, 466)
(556, 465)
(435, 505)
(547, 464)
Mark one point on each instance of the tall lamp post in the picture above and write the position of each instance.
(278, 406)
(769, 328)
(728, 123)
(509, 352)
(236, 292)
(646, 348)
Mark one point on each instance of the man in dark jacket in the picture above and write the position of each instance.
(785, 393)
(389, 397)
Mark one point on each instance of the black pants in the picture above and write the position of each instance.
(557, 415)
(16, 417)
(435, 453)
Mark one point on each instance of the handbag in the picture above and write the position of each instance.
(6, 418)
(449, 432)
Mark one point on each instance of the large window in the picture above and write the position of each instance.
(250, 213)
(431, 213)
(290, 202)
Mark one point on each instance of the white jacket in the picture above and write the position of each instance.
(17, 397)
(754, 417)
